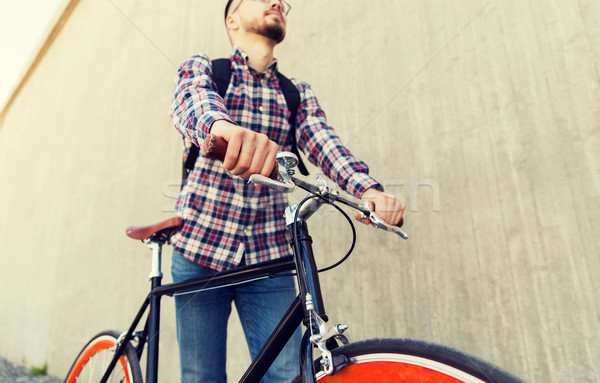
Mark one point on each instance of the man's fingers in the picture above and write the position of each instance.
(397, 218)
(234, 135)
(245, 159)
(250, 153)
(233, 152)
(358, 217)
(388, 208)
(263, 160)
(391, 210)
(271, 158)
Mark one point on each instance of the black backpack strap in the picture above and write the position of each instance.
(292, 99)
(221, 75)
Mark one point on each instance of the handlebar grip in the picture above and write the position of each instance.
(216, 147)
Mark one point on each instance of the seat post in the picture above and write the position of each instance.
(154, 315)
(154, 236)
(156, 271)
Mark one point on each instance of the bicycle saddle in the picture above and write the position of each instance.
(163, 230)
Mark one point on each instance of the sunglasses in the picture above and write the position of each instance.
(285, 6)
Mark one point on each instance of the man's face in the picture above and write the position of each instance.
(262, 18)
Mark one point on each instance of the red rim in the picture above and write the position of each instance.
(393, 368)
(98, 346)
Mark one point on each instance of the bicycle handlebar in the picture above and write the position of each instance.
(287, 183)
(362, 206)
(283, 180)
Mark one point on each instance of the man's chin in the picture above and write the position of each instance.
(275, 33)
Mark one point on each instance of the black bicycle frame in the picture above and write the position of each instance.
(304, 264)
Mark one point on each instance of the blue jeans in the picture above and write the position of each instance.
(202, 324)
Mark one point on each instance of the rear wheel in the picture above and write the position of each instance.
(399, 360)
(95, 357)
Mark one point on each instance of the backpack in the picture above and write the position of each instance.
(222, 76)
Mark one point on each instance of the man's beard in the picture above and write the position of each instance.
(274, 31)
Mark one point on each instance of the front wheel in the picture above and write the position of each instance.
(405, 360)
(95, 357)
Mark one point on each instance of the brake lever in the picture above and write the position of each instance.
(381, 224)
(285, 186)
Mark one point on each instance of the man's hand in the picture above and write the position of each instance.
(387, 207)
(248, 152)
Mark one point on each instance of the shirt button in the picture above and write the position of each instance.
(260, 108)
(247, 231)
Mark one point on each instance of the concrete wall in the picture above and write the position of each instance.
(483, 115)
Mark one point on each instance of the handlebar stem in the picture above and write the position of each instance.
(306, 268)
(307, 209)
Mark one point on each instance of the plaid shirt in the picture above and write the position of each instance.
(225, 216)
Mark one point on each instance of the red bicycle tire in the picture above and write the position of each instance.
(100, 350)
(409, 361)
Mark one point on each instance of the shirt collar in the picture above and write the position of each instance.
(238, 56)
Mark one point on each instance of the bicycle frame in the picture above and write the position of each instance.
(308, 282)
(391, 357)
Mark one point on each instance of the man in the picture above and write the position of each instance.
(228, 222)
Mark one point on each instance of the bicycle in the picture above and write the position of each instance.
(110, 356)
